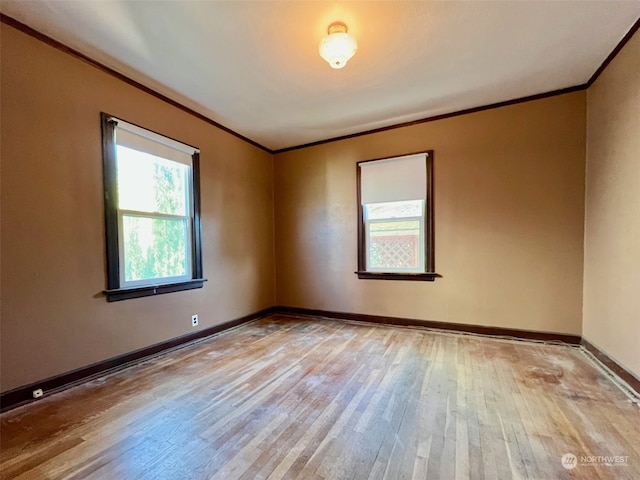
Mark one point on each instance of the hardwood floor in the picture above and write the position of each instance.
(286, 397)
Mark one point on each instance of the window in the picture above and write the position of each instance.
(395, 206)
(152, 212)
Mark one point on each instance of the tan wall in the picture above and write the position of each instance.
(54, 318)
(612, 227)
(509, 207)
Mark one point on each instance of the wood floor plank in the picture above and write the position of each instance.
(305, 398)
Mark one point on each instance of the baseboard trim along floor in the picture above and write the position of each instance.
(23, 395)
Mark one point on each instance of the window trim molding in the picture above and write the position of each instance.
(117, 294)
(429, 230)
(114, 291)
(416, 277)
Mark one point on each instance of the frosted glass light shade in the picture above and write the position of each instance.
(338, 47)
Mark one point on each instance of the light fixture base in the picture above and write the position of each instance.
(337, 27)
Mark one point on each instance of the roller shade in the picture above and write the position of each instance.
(394, 179)
(131, 136)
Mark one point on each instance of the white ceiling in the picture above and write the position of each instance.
(254, 67)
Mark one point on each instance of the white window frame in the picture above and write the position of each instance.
(187, 219)
(156, 280)
(368, 222)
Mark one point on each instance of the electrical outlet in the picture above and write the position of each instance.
(37, 393)
(194, 320)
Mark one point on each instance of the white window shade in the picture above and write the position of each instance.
(394, 180)
(137, 138)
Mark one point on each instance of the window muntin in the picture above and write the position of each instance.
(152, 212)
(395, 234)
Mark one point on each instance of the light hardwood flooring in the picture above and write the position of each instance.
(287, 397)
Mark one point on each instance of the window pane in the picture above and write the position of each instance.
(151, 184)
(154, 248)
(394, 244)
(410, 208)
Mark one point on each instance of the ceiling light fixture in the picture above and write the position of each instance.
(338, 47)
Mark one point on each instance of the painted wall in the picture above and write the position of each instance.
(54, 317)
(612, 225)
(509, 218)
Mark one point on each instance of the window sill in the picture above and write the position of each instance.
(118, 294)
(417, 277)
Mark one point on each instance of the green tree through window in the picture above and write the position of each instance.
(153, 197)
